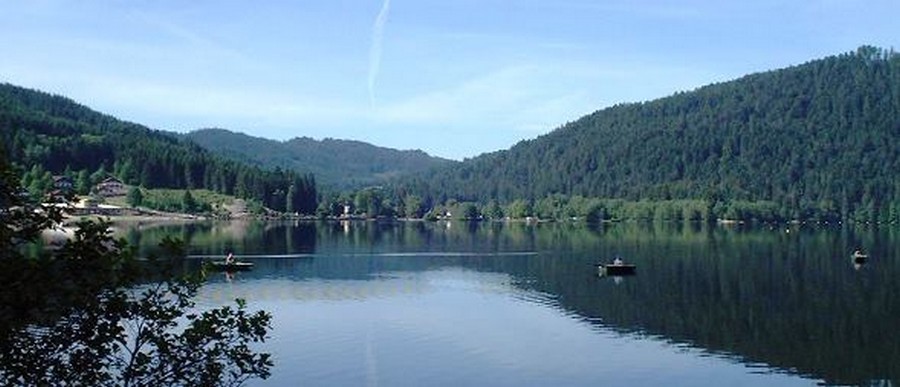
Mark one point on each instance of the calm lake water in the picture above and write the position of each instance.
(417, 304)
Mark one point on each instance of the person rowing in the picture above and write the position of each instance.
(229, 259)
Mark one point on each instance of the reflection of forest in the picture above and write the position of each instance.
(791, 300)
(383, 285)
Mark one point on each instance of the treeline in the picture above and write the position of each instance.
(58, 136)
(818, 140)
(377, 202)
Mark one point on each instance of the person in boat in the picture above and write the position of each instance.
(229, 259)
(618, 261)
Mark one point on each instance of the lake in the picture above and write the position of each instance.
(415, 303)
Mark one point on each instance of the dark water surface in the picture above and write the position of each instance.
(369, 303)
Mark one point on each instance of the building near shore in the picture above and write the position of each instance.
(111, 186)
(63, 184)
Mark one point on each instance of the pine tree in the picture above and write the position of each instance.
(135, 197)
(188, 203)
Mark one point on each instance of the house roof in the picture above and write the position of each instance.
(111, 180)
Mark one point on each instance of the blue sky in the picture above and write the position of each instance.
(453, 78)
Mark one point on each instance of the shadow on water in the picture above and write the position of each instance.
(788, 297)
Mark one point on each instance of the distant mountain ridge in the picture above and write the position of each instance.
(341, 164)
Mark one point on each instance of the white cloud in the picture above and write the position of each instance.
(180, 106)
(532, 98)
(491, 93)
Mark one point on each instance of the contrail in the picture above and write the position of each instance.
(375, 50)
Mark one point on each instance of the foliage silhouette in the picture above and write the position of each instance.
(89, 313)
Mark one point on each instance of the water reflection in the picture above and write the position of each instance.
(378, 286)
(789, 302)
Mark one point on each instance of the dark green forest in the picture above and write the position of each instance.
(51, 135)
(337, 164)
(814, 141)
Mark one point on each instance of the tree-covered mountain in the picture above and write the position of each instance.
(340, 164)
(818, 139)
(47, 134)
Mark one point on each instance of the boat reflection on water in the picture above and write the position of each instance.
(859, 259)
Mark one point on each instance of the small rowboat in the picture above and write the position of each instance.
(616, 270)
(233, 266)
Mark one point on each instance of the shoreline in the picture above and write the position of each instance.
(143, 218)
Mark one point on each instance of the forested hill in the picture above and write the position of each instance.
(340, 164)
(821, 137)
(48, 134)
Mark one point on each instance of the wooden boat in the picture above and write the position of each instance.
(233, 266)
(616, 270)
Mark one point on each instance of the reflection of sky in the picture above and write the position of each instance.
(457, 327)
